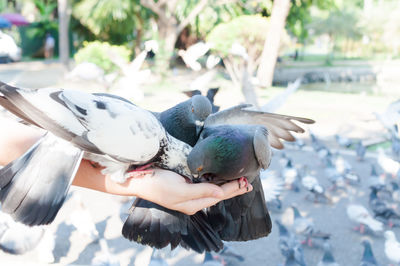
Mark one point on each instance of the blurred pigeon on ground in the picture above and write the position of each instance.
(360, 151)
(360, 215)
(396, 145)
(374, 179)
(327, 259)
(343, 141)
(381, 209)
(211, 92)
(290, 247)
(392, 247)
(388, 165)
(230, 255)
(368, 258)
(304, 227)
(290, 174)
(311, 184)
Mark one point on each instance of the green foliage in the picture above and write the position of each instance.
(99, 53)
(114, 21)
(300, 16)
(249, 31)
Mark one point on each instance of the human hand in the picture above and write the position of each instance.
(171, 190)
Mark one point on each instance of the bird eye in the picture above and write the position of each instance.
(192, 109)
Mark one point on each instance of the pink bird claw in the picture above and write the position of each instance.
(139, 173)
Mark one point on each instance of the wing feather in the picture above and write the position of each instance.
(278, 125)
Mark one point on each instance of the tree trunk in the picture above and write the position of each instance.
(265, 74)
(63, 16)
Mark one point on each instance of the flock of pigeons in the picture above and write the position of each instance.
(331, 177)
(383, 199)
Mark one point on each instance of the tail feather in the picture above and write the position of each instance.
(242, 218)
(34, 186)
(153, 225)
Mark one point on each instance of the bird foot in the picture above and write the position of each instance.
(243, 182)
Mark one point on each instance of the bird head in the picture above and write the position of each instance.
(200, 109)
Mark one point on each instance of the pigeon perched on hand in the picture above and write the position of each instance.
(90, 123)
(210, 96)
(231, 217)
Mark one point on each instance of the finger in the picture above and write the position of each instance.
(233, 187)
(192, 206)
(204, 190)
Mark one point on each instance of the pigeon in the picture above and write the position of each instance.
(359, 214)
(291, 176)
(368, 258)
(382, 210)
(78, 118)
(311, 184)
(374, 179)
(157, 226)
(304, 227)
(230, 255)
(388, 165)
(327, 259)
(290, 246)
(211, 92)
(185, 120)
(343, 141)
(360, 151)
(392, 247)
(193, 53)
(396, 145)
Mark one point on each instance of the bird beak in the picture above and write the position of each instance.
(199, 127)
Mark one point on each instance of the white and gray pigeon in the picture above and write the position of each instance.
(360, 215)
(389, 166)
(368, 258)
(311, 184)
(109, 129)
(392, 247)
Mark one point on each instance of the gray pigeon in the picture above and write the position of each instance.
(252, 207)
(327, 259)
(185, 120)
(211, 92)
(368, 258)
(290, 246)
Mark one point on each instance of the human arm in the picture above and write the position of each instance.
(163, 187)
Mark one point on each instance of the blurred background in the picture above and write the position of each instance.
(335, 61)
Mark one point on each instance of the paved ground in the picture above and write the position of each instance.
(345, 117)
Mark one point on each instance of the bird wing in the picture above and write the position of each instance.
(272, 185)
(90, 121)
(279, 126)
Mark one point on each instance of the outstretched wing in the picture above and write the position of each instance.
(279, 126)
